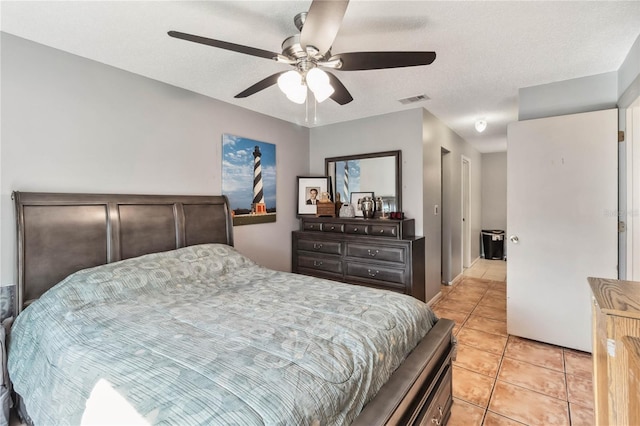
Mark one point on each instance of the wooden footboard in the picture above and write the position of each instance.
(419, 392)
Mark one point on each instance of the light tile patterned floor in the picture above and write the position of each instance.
(500, 379)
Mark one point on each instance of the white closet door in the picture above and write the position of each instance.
(562, 223)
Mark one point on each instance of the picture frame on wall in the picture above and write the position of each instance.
(249, 179)
(310, 190)
(354, 197)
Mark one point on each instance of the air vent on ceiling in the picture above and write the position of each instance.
(413, 99)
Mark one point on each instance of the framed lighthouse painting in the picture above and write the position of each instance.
(249, 179)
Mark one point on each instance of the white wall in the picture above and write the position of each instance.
(396, 131)
(494, 191)
(70, 124)
(629, 72)
(592, 93)
(436, 136)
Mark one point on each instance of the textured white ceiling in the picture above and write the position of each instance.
(485, 50)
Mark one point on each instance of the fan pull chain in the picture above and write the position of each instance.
(315, 109)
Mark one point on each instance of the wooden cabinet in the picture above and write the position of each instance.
(372, 252)
(616, 369)
(632, 346)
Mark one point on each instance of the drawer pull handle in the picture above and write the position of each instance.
(317, 246)
(435, 420)
(333, 228)
(372, 274)
(373, 253)
(317, 263)
(355, 229)
(382, 231)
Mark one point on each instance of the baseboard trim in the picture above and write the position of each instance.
(456, 279)
(434, 299)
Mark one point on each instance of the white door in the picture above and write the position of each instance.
(562, 223)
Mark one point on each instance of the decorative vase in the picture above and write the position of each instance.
(379, 204)
(367, 206)
(347, 211)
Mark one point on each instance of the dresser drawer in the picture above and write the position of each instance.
(329, 247)
(333, 227)
(384, 230)
(359, 229)
(437, 408)
(375, 272)
(320, 264)
(311, 226)
(370, 251)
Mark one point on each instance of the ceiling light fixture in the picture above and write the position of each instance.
(294, 85)
(481, 125)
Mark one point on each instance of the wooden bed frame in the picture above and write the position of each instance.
(59, 234)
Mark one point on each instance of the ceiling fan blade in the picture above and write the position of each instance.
(261, 85)
(322, 24)
(341, 95)
(357, 61)
(225, 45)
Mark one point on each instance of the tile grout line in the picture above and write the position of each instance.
(493, 385)
(495, 379)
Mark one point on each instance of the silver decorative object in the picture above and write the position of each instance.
(347, 210)
(368, 207)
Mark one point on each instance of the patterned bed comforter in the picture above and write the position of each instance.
(204, 336)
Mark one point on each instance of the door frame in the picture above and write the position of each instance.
(445, 216)
(631, 216)
(465, 204)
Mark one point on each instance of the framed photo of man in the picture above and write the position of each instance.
(310, 190)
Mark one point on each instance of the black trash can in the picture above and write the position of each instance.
(493, 243)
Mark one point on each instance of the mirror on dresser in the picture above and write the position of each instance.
(378, 172)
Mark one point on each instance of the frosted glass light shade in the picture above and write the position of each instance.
(299, 95)
(318, 82)
(291, 85)
(481, 125)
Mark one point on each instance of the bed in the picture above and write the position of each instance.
(139, 306)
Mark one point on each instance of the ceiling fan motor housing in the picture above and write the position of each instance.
(304, 59)
(299, 19)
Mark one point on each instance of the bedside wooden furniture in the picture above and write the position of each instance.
(372, 252)
(632, 346)
(616, 369)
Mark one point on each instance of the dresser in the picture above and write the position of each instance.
(380, 253)
(616, 347)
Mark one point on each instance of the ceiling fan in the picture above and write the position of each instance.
(310, 50)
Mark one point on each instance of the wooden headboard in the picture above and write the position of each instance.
(59, 234)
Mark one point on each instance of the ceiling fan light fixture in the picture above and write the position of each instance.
(481, 125)
(298, 96)
(291, 85)
(323, 93)
(318, 82)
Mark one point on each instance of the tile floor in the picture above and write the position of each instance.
(499, 379)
